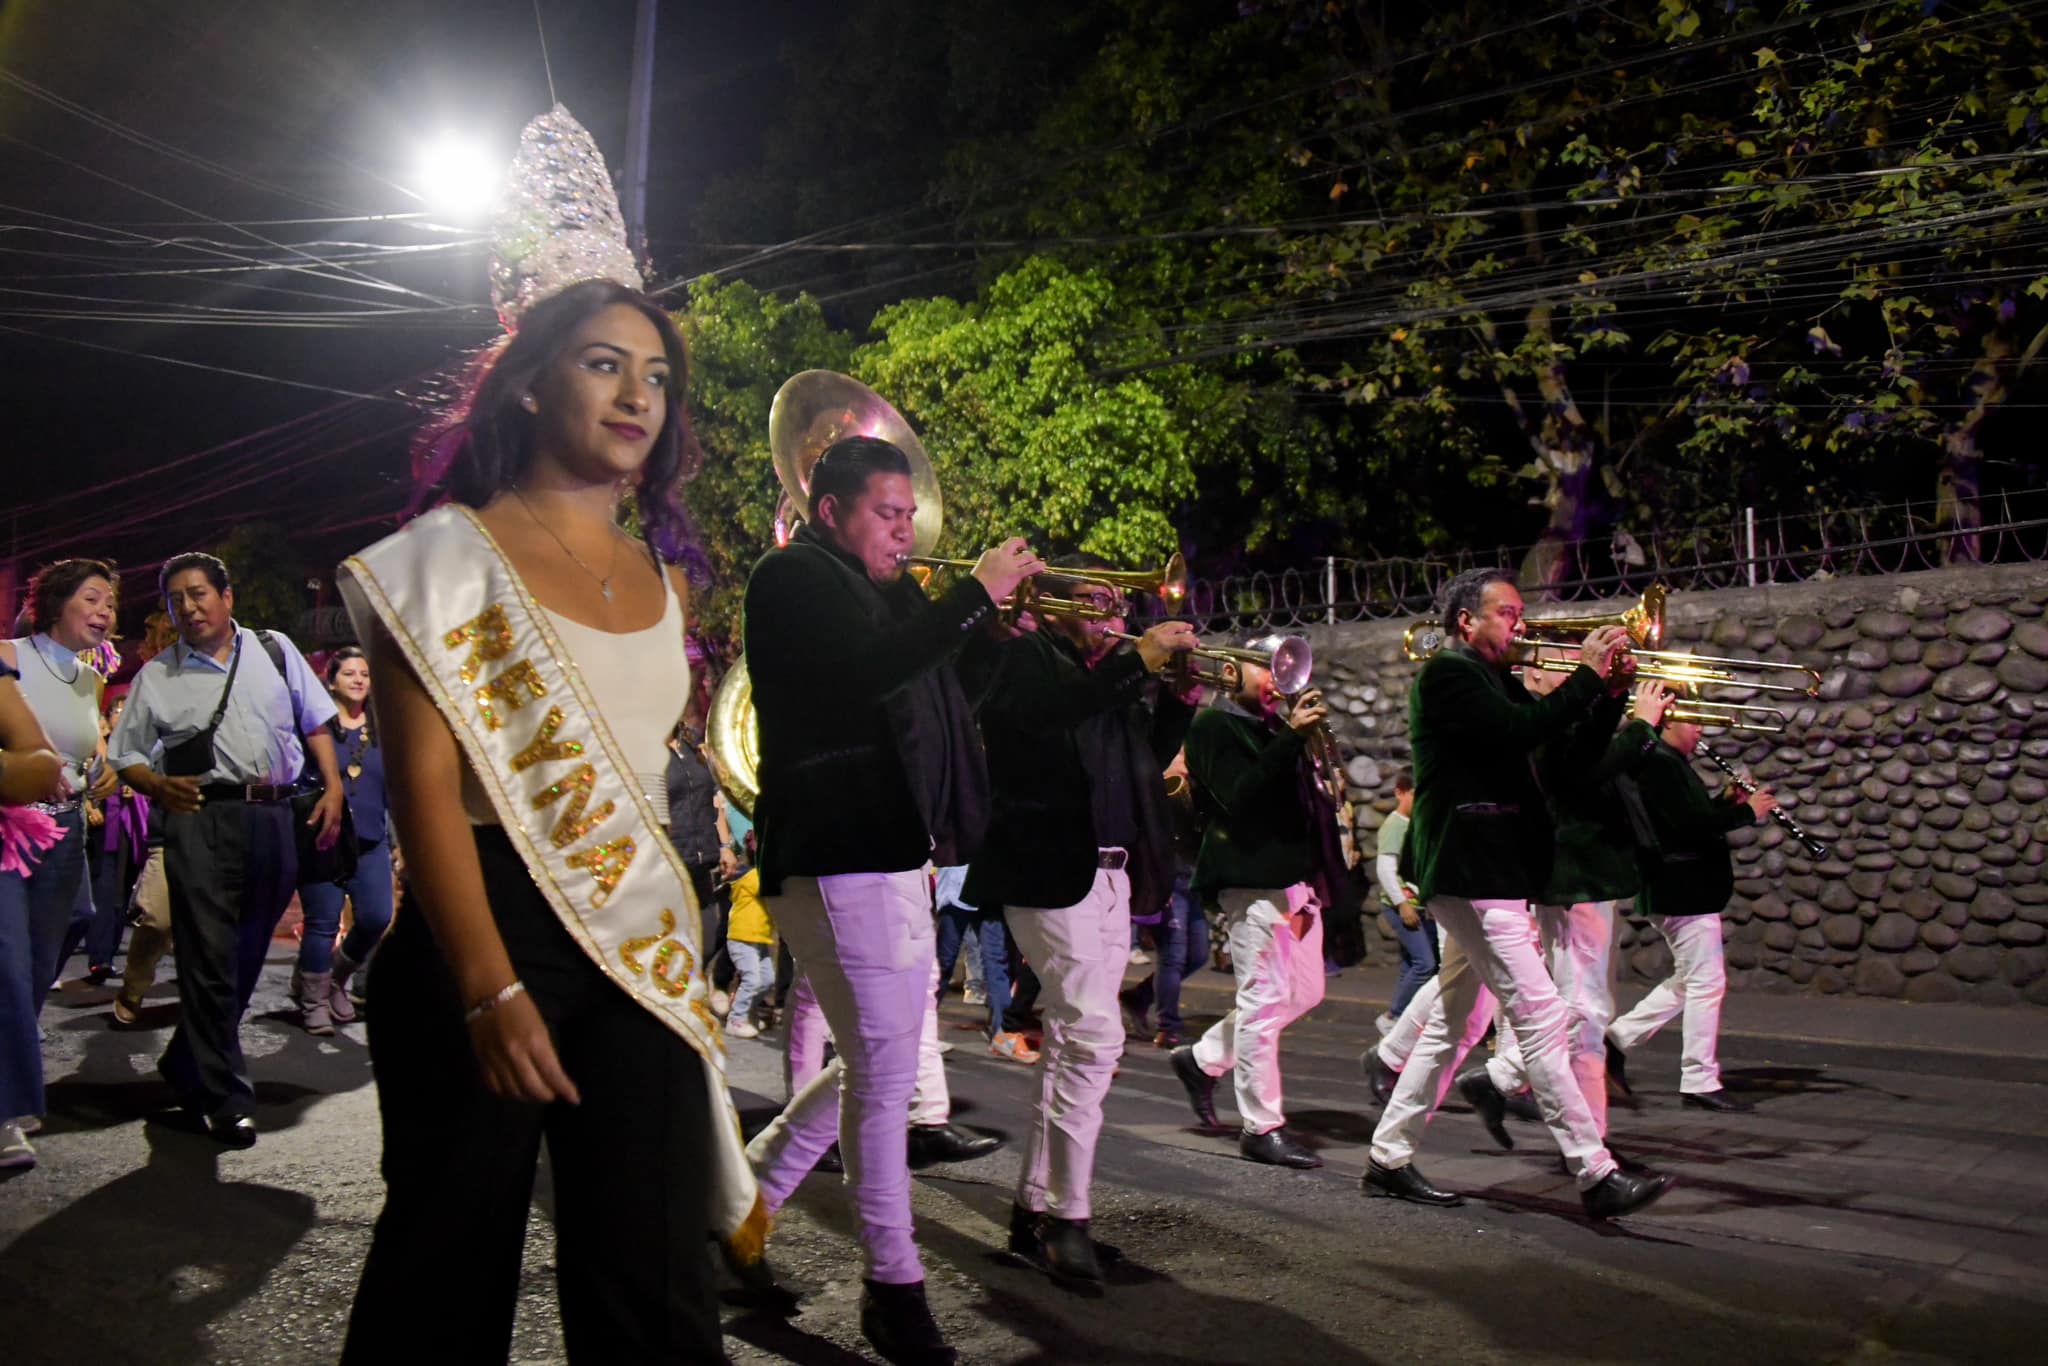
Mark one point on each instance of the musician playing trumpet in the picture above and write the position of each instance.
(1270, 858)
(1687, 878)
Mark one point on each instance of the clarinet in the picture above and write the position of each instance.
(1813, 847)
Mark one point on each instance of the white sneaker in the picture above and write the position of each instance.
(743, 1029)
(974, 996)
(721, 1002)
(15, 1149)
(1140, 958)
(1385, 1023)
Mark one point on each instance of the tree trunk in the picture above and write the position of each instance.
(1957, 511)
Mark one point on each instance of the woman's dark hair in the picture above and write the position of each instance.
(54, 584)
(484, 441)
(844, 469)
(216, 572)
(339, 658)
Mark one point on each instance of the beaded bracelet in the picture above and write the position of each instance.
(493, 1001)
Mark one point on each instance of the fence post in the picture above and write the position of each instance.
(1330, 590)
(1749, 525)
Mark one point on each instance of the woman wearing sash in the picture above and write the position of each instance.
(528, 665)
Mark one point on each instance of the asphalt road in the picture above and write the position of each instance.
(1887, 1201)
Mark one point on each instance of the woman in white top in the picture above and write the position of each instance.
(583, 404)
(71, 609)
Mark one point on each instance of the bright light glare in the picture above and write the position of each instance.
(459, 177)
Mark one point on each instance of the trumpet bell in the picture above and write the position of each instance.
(1292, 664)
(732, 737)
(815, 408)
(1644, 623)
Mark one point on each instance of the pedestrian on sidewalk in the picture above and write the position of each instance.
(321, 983)
(750, 943)
(1403, 911)
(987, 942)
(1183, 931)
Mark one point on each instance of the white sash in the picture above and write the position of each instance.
(563, 791)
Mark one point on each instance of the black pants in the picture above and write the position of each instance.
(714, 909)
(231, 867)
(633, 1263)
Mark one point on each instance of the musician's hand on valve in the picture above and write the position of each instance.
(1762, 804)
(1309, 711)
(1158, 646)
(1600, 648)
(1002, 567)
(1653, 699)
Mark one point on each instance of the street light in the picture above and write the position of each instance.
(459, 177)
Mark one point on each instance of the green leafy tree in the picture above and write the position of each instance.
(268, 574)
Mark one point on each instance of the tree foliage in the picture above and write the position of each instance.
(267, 574)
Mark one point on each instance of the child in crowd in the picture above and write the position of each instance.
(750, 943)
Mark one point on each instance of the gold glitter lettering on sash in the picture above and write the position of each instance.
(506, 688)
(573, 825)
(607, 863)
(630, 951)
(489, 638)
(677, 984)
(543, 747)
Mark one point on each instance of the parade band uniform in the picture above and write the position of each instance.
(870, 769)
(1594, 868)
(232, 864)
(1079, 834)
(1479, 848)
(1687, 878)
(1265, 858)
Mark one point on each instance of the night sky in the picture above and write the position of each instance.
(252, 111)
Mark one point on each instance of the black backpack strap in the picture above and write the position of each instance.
(276, 653)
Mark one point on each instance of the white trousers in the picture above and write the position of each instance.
(806, 1034)
(866, 943)
(1579, 942)
(1698, 981)
(1279, 979)
(1499, 941)
(1079, 953)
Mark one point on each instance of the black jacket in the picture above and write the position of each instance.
(868, 751)
(1685, 864)
(1041, 844)
(1596, 859)
(1248, 782)
(1481, 829)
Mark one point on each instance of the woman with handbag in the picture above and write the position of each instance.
(321, 983)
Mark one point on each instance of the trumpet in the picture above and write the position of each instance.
(1289, 659)
(1169, 584)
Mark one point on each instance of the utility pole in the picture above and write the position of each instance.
(639, 115)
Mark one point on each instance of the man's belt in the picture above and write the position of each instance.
(1112, 859)
(246, 792)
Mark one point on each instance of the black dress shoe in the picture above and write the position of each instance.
(931, 1144)
(759, 1290)
(1623, 1193)
(1137, 1012)
(898, 1324)
(1617, 1069)
(1719, 1101)
(1380, 1077)
(1522, 1105)
(1026, 1242)
(1406, 1183)
(231, 1131)
(1278, 1148)
(1486, 1100)
(830, 1161)
(1068, 1254)
(1201, 1087)
(1625, 1163)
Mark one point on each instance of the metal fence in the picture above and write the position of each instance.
(1760, 548)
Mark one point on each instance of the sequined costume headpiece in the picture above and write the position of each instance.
(559, 222)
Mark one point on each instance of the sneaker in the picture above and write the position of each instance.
(1140, 958)
(974, 996)
(1013, 1046)
(1385, 1023)
(944, 1048)
(742, 1029)
(15, 1149)
(721, 1002)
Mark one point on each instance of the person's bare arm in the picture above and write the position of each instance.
(423, 784)
(30, 769)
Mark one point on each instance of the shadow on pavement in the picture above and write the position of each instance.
(158, 1255)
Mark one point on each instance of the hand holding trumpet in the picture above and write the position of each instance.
(1002, 568)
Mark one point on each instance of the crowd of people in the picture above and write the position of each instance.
(583, 922)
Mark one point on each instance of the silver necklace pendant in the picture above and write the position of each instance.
(604, 586)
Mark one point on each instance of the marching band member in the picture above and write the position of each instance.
(1080, 834)
(1688, 878)
(870, 769)
(1269, 857)
(1479, 846)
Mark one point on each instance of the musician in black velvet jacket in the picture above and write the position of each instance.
(870, 767)
(1079, 834)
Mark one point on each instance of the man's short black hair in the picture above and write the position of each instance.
(1463, 594)
(844, 469)
(1404, 781)
(216, 572)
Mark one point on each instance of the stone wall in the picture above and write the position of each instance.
(1923, 763)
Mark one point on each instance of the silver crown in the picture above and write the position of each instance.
(559, 222)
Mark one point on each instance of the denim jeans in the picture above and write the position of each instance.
(35, 917)
(1182, 935)
(754, 966)
(369, 890)
(1418, 957)
(992, 942)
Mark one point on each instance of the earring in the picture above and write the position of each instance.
(527, 402)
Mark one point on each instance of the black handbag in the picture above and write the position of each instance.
(337, 862)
